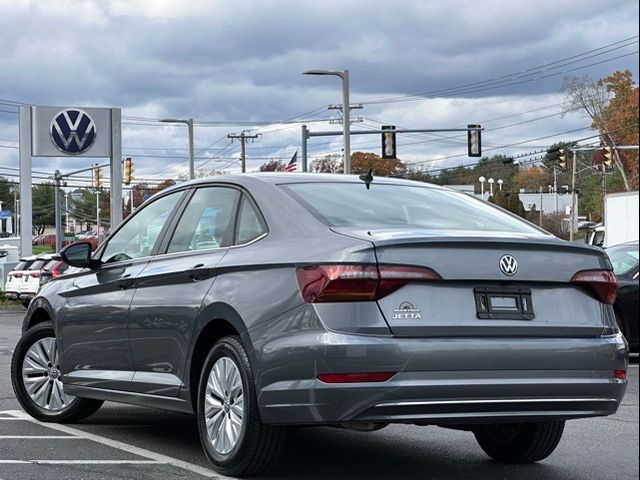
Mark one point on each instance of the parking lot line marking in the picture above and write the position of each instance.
(157, 457)
(79, 462)
(38, 437)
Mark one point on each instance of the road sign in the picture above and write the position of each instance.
(5, 214)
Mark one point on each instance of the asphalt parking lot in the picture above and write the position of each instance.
(124, 442)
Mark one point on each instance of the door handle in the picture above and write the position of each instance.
(198, 272)
(125, 282)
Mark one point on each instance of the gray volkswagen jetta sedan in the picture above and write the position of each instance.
(263, 301)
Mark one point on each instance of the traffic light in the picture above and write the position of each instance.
(474, 140)
(553, 154)
(562, 158)
(608, 157)
(97, 177)
(389, 141)
(128, 170)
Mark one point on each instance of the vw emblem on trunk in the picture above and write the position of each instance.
(72, 131)
(508, 265)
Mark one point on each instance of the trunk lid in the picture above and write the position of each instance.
(469, 264)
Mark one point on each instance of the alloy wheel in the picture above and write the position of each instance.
(224, 405)
(41, 376)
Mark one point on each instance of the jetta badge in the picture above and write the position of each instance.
(73, 131)
(508, 265)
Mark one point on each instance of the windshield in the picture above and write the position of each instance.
(393, 206)
(624, 258)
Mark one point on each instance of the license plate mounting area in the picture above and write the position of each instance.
(503, 303)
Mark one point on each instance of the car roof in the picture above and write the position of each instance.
(278, 178)
(30, 258)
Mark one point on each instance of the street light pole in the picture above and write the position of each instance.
(482, 180)
(344, 75)
(189, 123)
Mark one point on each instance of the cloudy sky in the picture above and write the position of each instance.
(236, 65)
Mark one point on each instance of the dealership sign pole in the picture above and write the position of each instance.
(68, 132)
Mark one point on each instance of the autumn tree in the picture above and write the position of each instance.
(612, 105)
(531, 179)
(272, 166)
(361, 162)
(327, 164)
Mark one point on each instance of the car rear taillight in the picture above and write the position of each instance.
(17, 275)
(602, 282)
(34, 274)
(55, 273)
(357, 283)
(355, 377)
(620, 374)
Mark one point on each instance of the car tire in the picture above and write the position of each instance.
(227, 402)
(38, 383)
(520, 443)
(25, 303)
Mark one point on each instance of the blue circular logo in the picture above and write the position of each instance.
(72, 131)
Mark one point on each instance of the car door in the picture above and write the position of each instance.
(172, 286)
(92, 323)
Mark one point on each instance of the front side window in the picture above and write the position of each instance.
(137, 237)
(402, 206)
(205, 223)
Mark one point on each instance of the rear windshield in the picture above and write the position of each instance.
(404, 206)
(38, 264)
(22, 265)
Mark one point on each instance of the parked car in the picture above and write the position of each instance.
(31, 278)
(268, 300)
(53, 269)
(14, 278)
(624, 258)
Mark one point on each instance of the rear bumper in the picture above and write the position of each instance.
(444, 381)
(11, 295)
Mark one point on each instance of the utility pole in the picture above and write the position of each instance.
(58, 214)
(66, 208)
(574, 171)
(243, 137)
(541, 200)
(98, 214)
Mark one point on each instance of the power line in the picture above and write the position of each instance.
(480, 85)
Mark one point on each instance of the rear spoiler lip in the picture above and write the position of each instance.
(545, 241)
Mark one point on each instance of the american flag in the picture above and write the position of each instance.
(293, 164)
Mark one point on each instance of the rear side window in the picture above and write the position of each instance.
(402, 206)
(20, 266)
(250, 225)
(205, 221)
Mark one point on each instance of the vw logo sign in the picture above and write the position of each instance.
(72, 130)
(508, 265)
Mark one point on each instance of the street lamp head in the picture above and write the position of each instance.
(500, 181)
(482, 179)
(324, 72)
(491, 180)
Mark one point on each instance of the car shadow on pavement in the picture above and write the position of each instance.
(398, 451)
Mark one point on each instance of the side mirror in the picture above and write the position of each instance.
(78, 255)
